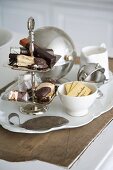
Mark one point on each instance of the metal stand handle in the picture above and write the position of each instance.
(30, 26)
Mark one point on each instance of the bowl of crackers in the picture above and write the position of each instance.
(77, 97)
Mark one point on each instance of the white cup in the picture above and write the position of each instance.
(95, 54)
(77, 106)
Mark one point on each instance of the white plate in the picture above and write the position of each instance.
(55, 109)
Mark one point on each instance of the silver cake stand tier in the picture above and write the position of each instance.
(27, 107)
(33, 109)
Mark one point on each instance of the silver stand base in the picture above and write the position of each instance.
(33, 109)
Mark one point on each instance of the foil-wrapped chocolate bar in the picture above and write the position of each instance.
(19, 50)
(45, 92)
(42, 94)
(18, 96)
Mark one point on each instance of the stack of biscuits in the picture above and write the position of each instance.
(77, 89)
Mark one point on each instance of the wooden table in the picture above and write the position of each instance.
(58, 147)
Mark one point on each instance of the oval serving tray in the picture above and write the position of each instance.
(99, 107)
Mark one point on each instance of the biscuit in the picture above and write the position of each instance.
(23, 60)
(85, 92)
(70, 86)
(78, 89)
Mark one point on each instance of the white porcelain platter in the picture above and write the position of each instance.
(100, 106)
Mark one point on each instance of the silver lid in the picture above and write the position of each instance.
(59, 41)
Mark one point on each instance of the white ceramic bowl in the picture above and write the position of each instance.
(77, 106)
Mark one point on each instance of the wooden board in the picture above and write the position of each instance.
(58, 147)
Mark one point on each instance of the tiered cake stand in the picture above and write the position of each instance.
(31, 107)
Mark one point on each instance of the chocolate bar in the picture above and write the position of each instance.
(40, 53)
(42, 94)
(18, 96)
(12, 59)
(27, 61)
(20, 60)
(45, 91)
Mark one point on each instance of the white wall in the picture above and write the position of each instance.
(88, 22)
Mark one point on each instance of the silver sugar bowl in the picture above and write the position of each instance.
(91, 72)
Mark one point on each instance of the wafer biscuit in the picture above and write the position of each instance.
(85, 92)
(70, 86)
(78, 89)
(67, 87)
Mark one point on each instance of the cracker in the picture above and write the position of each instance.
(70, 86)
(85, 92)
(76, 90)
(79, 90)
